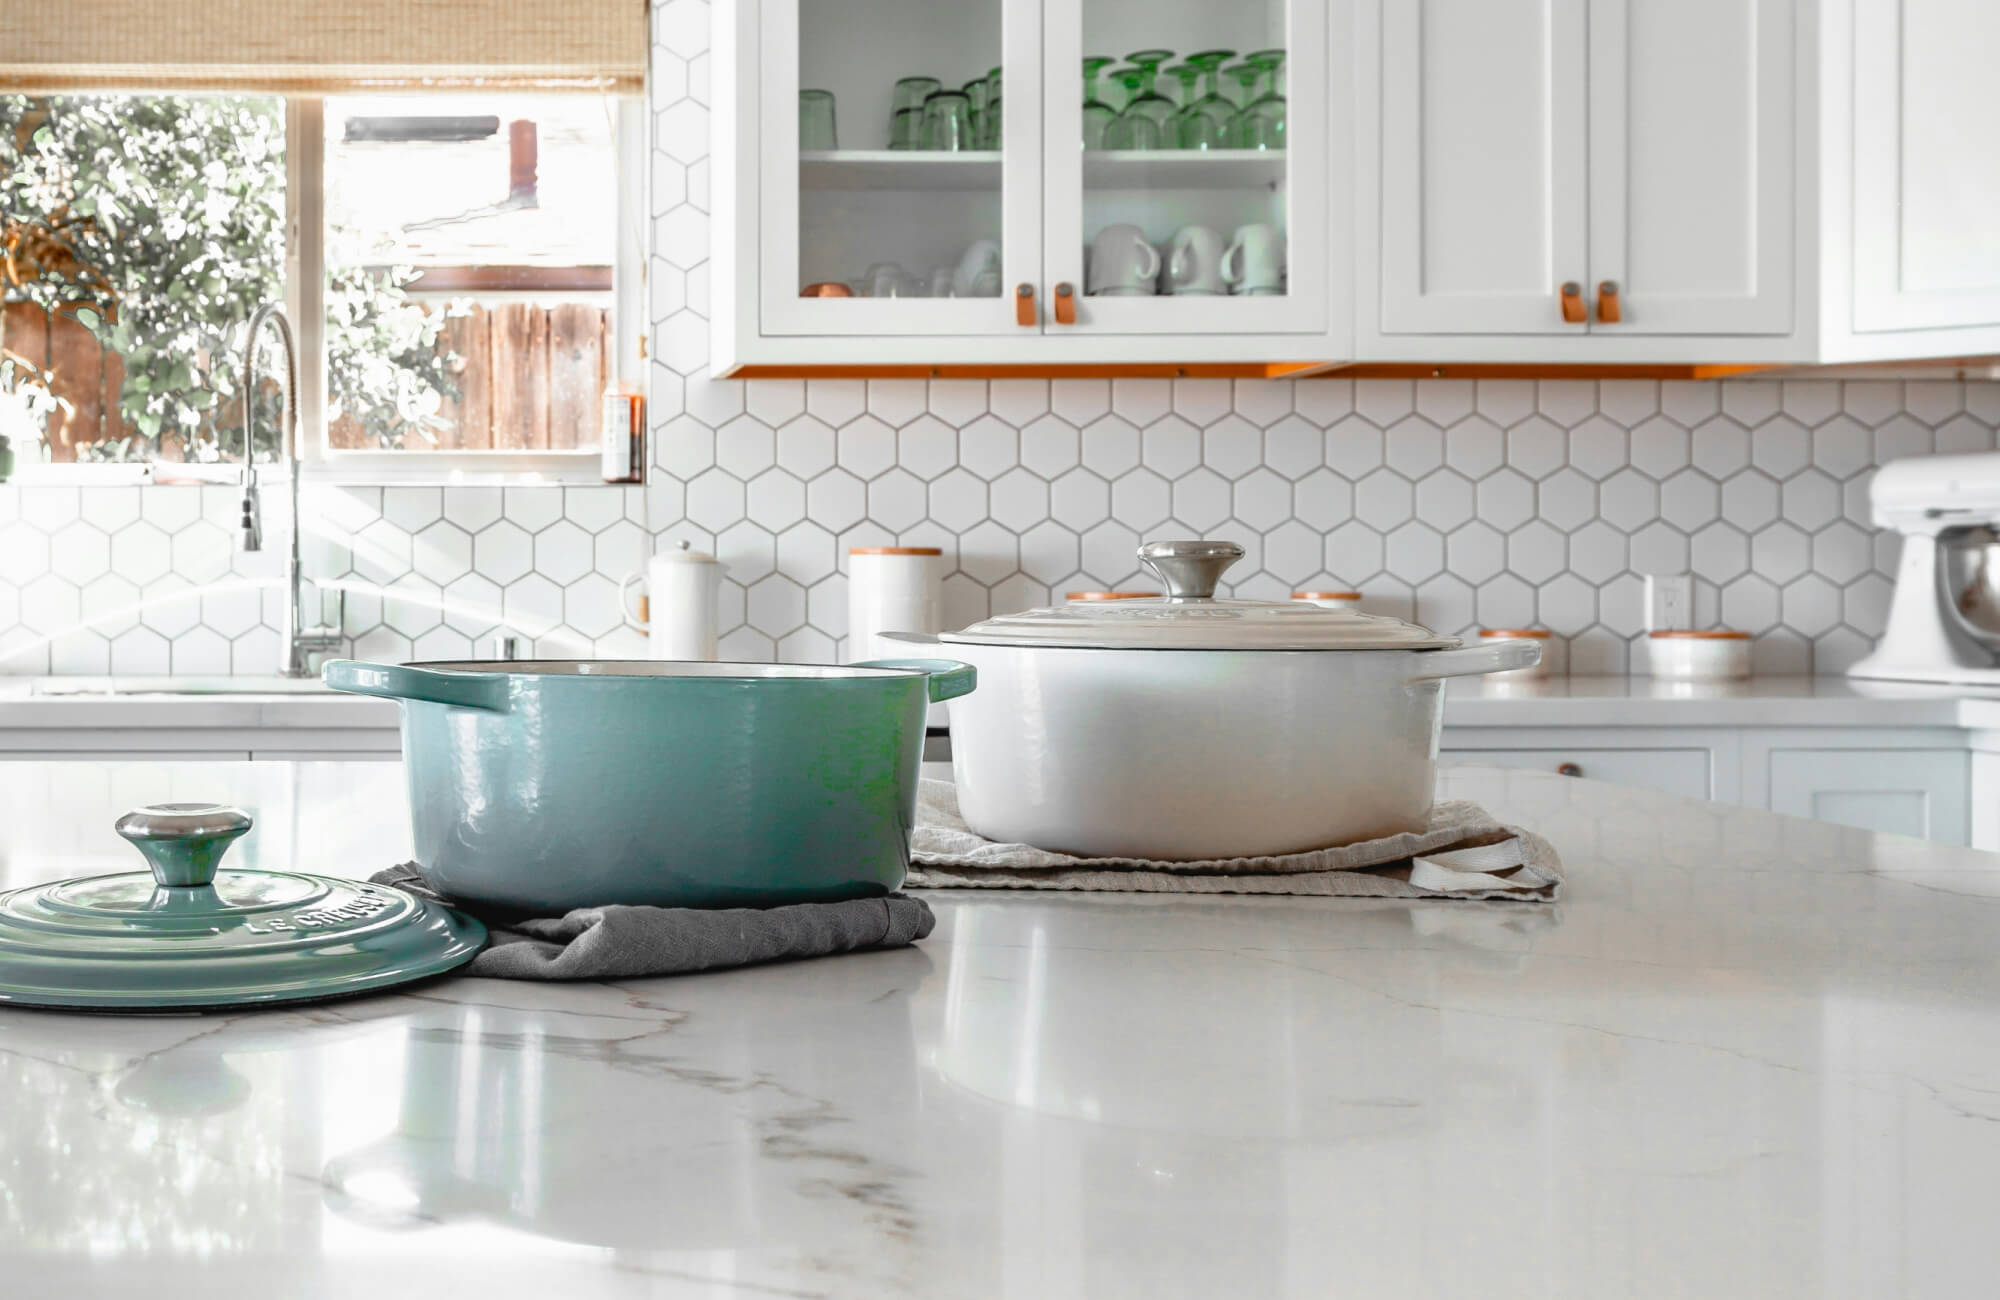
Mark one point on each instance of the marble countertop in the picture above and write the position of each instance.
(252, 703)
(1746, 1056)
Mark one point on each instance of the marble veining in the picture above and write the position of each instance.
(1746, 1055)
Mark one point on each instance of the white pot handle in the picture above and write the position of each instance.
(625, 604)
(1473, 660)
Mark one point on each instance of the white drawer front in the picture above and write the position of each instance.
(1685, 772)
(1919, 792)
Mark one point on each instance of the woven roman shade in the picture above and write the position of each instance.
(307, 46)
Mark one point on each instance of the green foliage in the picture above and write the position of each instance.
(161, 225)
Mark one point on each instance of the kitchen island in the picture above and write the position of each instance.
(1745, 1056)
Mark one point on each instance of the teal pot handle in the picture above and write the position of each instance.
(949, 678)
(409, 682)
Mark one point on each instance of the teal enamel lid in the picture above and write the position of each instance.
(186, 934)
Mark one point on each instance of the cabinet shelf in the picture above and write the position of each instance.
(897, 169)
(1177, 169)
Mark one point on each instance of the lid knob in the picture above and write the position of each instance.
(1189, 570)
(184, 842)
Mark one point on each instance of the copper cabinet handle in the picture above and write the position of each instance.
(1065, 303)
(1024, 305)
(1572, 300)
(1608, 309)
(1568, 769)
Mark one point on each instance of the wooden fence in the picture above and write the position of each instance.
(531, 379)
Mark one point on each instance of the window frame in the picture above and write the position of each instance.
(305, 306)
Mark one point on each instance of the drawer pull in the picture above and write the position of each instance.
(1608, 309)
(1573, 308)
(1065, 303)
(1024, 306)
(1569, 769)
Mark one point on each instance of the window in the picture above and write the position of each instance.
(462, 286)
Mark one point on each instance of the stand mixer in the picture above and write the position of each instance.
(1944, 621)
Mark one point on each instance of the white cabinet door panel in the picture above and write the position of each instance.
(1692, 127)
(1685, 772)
(1919, 792)
(1926, 172)
(1483, 156)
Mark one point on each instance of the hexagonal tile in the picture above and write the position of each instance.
(989, 447)
(748, 549)
(866, 447)
(1536, 447)
(1141, 401)
(1323, 499)
(1865, 603)
(1262, 500)
(836, 500)
(1749, 501)
(1170, 446)
(988, 553)
(1597, 551)
(1621, 605)
(1049, 552)
(621, 549)
(50, 604)
(1415, 551)
(1504, 401)
(1382, 402)
(411, 508)
(1750, 603)
(958, 499)
(412, 607)
(79, 552)
(140, 650)
(1444, 500)
(1841, 551)
(202, 551)
(1263, 402)
(1018, 401)
(1961, 434)
(1018, 500)
(806, 553)
(1354, 552)
(833, 402)
(1049, 446)
(896, 402)
(109, 604)
(1200, 500)
(1474, 447)
(1568, 402)
(1292, 551)
(1446, 603)
(1689, 500)
(1323, 401)
(1750, 402)
(776, 605)
(1721, 447)
(1079, 401)
(1811, 500)
(1597, 447)
(1476, 552)
(1933, 401)
(24, 550)
(1689, 402)
(1201, 402)
(1781, 447)
(777, 500)
(472, 605)
(1505, 601)
(1413, 447)
(746, 446)
(1566, 604)
(714, 500)
(1659, 447)
(1354, 447)
(1110, 552)
(1566, 499)
(1719, 552)
(1811, 605)
(1506, 500)
(563, 552)
(1780, 552)
(1383, 499)
(1232, 446)
(1900, 436)
(1293, 447)
(805, 447)
(1536, 551)
(1659, 548)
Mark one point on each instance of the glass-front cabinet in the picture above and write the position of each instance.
(1005, 182)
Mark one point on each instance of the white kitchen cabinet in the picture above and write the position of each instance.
(1686, 772)
(1585, 168)
(1926, 175)
(1923, 793)
(787, 218)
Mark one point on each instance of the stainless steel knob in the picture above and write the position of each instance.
(184, 842)
(1569, 769)
(1189, 570)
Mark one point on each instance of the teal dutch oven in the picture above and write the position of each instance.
(541, 786)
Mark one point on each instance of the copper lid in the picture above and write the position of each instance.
(1700, 634)
(1326, 595)
(826, 289)
(894, 550)
(1515, 633)
(1110, 595)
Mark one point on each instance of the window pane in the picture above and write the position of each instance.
(470, 249)
(147, 229)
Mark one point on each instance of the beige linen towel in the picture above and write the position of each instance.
(1463, 853)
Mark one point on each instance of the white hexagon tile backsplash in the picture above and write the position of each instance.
(1454, 503)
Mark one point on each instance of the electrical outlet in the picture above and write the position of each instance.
(1669, 601)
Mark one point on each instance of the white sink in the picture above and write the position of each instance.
(244, 685)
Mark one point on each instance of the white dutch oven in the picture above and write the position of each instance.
(1187, 727)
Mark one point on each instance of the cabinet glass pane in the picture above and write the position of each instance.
(899, 140)
(1185, 146)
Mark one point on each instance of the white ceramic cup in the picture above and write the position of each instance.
(1255, 260)
(1123, 263)
(978, 273)
(680, 619)
(1194, 262)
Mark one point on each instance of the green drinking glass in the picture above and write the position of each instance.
(975, 95)
(1204, 121)
(816, 129)
(1147, 121)
(1097, 115)
(1261, 124)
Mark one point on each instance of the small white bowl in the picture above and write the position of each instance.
(1708, 655)
(1536, 670)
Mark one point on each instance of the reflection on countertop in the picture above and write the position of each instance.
(1746, 1055)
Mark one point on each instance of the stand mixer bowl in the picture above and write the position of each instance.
(1970, 576)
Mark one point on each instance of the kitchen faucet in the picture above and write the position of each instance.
(298, 640)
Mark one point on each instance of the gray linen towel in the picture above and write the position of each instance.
(593, 943)
(1463, 853)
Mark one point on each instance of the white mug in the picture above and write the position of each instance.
(1194, 262)
(1123, 264)
(978, 273)
(679, 619)
(1255, 262)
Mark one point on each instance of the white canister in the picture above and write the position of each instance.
(1539, 635)
(1708, 655)
(677, 614)
(891, 589)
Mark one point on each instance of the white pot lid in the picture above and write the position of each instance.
(1189, 617)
